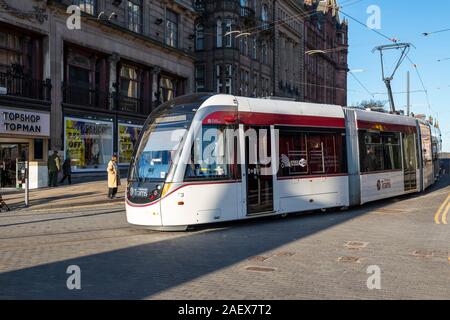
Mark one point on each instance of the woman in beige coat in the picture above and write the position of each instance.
(113, 177)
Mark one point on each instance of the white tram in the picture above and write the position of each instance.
(206, 158)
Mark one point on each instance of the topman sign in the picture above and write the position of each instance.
(24, 123)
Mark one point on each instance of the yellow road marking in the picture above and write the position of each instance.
(444, 215)
(441, 208)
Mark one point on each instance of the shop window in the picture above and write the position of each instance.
(128, 139)
(38, 149)
(380, 151)
(212, 156)
(89, 143)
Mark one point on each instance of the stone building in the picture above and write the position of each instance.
(86, 92)
(326, 51)
(240, 50)
(261, 48)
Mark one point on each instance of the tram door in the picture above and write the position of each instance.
(410, 161)
(258, 169)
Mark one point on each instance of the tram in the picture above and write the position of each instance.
(208, 158)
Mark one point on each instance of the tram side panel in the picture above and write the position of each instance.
(201, 203)
(380, 139)
(312, 193)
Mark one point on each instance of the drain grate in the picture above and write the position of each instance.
(260, 269)
(258, 258)
(390, 211)
(284, 254)
(356, 245)
(349, 259)
(422, 253)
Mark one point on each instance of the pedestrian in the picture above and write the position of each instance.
(54, 165)
(113, 177)
(67, 170)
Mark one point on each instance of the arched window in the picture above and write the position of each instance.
(219, 36)
(199, 37)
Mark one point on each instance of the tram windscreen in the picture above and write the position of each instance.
(161, 139)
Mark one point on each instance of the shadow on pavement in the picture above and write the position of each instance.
(144, 270)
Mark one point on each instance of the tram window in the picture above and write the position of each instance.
(293, 154)
(380, 151)
(311, 153)
(316, 154)
(211, 156)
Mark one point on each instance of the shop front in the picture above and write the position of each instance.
(24, 136)
(90, 141)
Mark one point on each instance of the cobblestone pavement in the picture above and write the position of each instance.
(309, 256)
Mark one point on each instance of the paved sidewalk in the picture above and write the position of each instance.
(86, 194)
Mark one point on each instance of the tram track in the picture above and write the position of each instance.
(111, 233)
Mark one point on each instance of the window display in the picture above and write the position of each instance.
(89, 143)
(128, 137)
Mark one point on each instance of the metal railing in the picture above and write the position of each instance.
(25, 87)
(84, 96)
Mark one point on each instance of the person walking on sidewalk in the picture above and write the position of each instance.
(67, 170)
(54, 165)
(113, 177)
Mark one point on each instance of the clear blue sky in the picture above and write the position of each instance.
(405, 20)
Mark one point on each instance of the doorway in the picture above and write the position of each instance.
(259, 181)
(410, 161)
(10, 153)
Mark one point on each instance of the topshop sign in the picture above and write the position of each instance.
(24, 123)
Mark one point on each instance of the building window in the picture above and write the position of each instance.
(228, 42)
(245, 46)
(265, 17)
(10, 51)
(219, 34)
(199, 37)
(89, 143)
(379, 151)
(254, 53)
(171, 29)
(167, 87)
(264, 54)
(228, 78)
(87, 6)
(134, 15)
(129, 82)
(199, 78)
(130, 88)
(219, 83)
